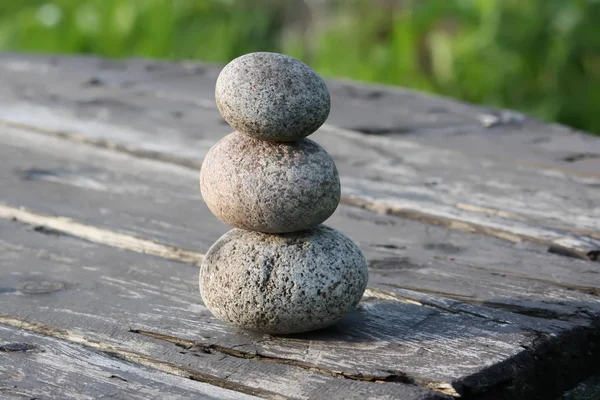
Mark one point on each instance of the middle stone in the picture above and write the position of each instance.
(269, 187)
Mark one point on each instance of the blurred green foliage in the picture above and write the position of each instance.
(538, 56)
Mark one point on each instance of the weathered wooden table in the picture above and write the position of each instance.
(481, 227)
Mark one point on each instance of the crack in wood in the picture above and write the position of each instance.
(561, 251)
(531, 312)
(392, 376)
(580, 156)
(45, 230)
(17, 347)
(133, 357)
(511, 308)
(382, 294)
(375, 130)
(113, 376)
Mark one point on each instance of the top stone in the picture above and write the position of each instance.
(272, 97)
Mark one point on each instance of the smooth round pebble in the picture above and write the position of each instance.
(272, 97)
(283, 284)
(269, 187)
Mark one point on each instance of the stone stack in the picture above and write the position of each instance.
(280, 271)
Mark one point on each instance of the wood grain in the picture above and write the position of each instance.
(163, 298)
(374, 109)
(470, 290)
(458, 190)
(158, 208)
(146, 305)
(43, 367)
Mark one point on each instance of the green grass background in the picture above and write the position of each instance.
(538, 56)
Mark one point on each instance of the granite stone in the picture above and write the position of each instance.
(272, 97)
(269, 187)
(283, 284)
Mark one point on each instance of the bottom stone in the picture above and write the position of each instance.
(285, 283)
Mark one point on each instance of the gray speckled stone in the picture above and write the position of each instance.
(282, 284)
(272, 97)
(269, 187)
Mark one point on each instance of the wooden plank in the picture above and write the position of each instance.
(371, 109)
(43, 367)
(390, 170)
(160, 202)
(472, 130)
(164, 298)
(387, 175)
(468, 283)
(139, 306)
(62, 287)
